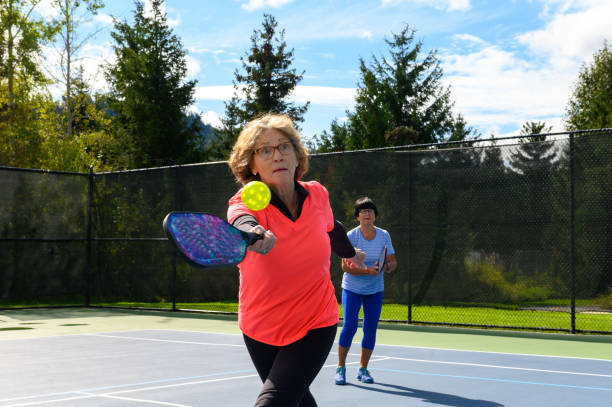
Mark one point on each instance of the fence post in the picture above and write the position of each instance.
(174, 280)
(174, 173)
(572, 234)
(89, 238)
(409, 221)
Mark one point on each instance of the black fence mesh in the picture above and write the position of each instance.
(42, 223)
(132, 205)
(514, 234)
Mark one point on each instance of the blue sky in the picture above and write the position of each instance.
(506, 62)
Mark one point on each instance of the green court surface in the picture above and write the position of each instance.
(31, 323)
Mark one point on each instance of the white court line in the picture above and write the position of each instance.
(36, 403)
(112, 394)
(163, 403)
(379, 344)
(493, 352)
(107, 388)
(166, 386)
(500, 367)
(357, 343)
(442, 362)
(188, 330)
(89, 396)
(374, 359)
(137, 338)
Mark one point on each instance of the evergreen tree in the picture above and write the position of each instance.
(264, 86)
(460, 130)
(337, 139)
(149, 93)
(534, 152)
(400, 100)
(532, 128)
(534, 163)
(590, 105)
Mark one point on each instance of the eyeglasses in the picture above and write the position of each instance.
(366, 210)
(267, 152)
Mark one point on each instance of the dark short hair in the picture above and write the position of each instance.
(364, 203)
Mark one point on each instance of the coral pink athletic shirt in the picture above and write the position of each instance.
(288, 291)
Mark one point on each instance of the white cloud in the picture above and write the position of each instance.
(148, 12)
(572, 35)
(193, 66)
(317, 95)
(46, 9)
(93, 58)
(367, 34)
(495, 86)
(470, 38)
(459, 5)
(253, 5)
(448, 5)
(223, 92)
(325, 95)
(103, 18)
(51, 66)
(220, 56)
(196, 49)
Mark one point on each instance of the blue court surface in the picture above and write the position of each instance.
(189, 368)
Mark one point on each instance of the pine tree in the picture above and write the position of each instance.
(149, 93)
(264, 85)
(534, 163)
(400, 100)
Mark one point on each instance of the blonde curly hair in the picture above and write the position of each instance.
(244, 148)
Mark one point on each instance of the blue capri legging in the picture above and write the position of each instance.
(351, 303)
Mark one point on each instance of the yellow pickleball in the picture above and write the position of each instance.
(255, 195)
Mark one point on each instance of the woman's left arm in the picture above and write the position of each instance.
(342, 246)
(340, 243)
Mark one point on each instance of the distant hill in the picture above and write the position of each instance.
(207, 132)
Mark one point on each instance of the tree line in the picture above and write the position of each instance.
(143, 119)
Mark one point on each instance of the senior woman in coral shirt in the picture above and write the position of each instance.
(288, 311)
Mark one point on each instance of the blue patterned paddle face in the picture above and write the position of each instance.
(206, 240)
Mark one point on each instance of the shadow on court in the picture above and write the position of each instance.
(439, 399)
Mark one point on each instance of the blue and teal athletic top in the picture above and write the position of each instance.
(366, 285)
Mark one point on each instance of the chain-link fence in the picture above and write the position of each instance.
(514, 233)
(43, 220)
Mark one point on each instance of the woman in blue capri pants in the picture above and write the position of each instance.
(363, 287)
